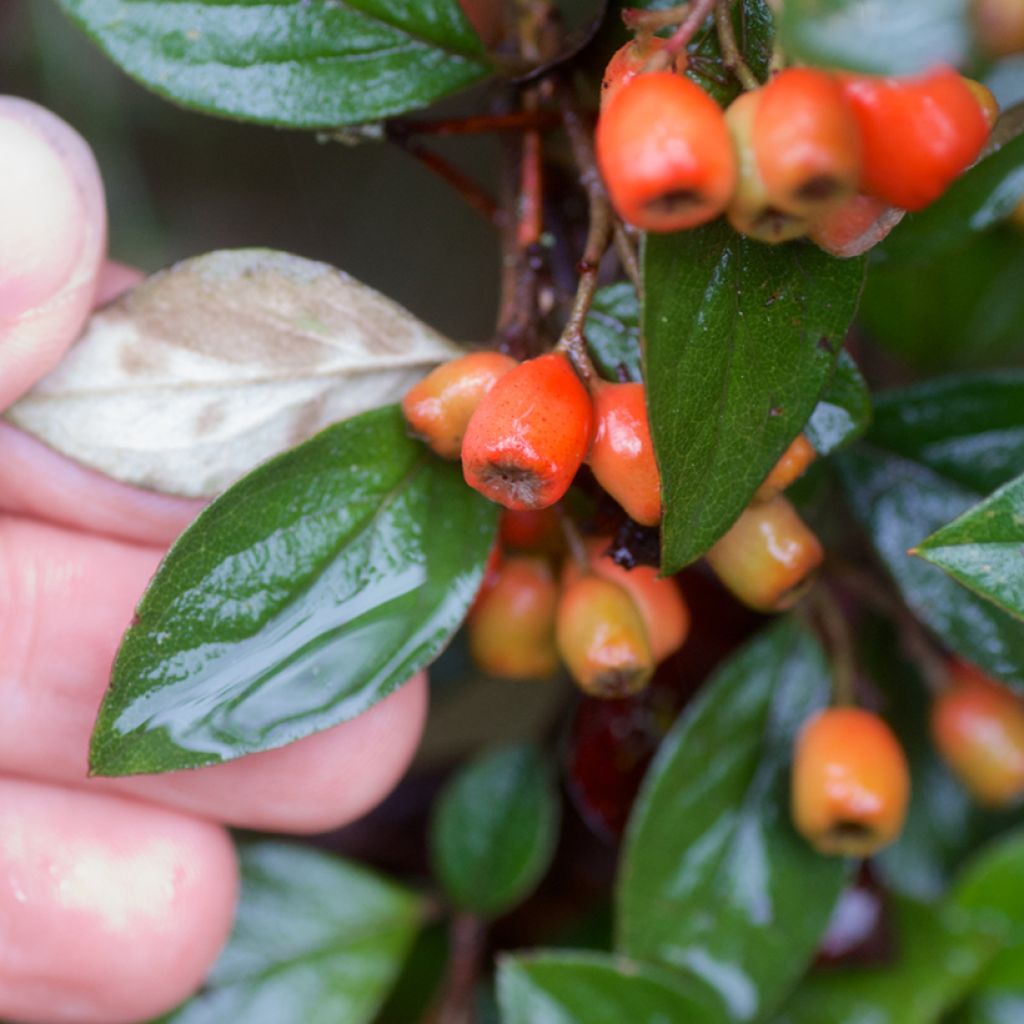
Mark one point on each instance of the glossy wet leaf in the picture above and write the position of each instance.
(741, 341)
(844, 412)
(984, 548)
(591, 988)
(714, 880)
(494, 829)
(940, 955)
(613, 332)
(933, 452)
(984, 196)
(315, 64)
(307, 592)
(962, 309)
(316, 940)
(872, 35)
(209, 368)
(993, 884)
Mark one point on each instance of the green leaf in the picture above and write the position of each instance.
(494, 829)
(984, 548)
(316, 940)
(714, 880)
(993, 884)
(591, 988)
(940, 955)
(872, 35)
(303, 595)
(844, 412)
(963, 309)
(984, 196)
(932, 453)
(755, 33)
(613, 332)
(315, 64)
(741, 340)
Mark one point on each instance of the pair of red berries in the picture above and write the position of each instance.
(524, 429)
(610, 626)
(787, 158)
(850, 780)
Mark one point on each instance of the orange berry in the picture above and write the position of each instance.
(529, 434)
(978, 727)
(768, 556)
(999, 26)
(791, 466)
(629, 60)
(534, 530)
(602, 639)
(665, 153)
(856, 226)
(799, 154)
(622, 454)
(512, 625)
(988, 103)
(850, 782)
(439, 407)
(659, 600)
(918, 134)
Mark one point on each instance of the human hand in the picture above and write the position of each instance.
(115, 894)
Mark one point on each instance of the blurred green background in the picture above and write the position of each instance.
(180, 183)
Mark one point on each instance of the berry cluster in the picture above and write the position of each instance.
(539, 608)
(810, 153)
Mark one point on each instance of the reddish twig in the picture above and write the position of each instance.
(473, 194)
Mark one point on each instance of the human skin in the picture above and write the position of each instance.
(115, 895)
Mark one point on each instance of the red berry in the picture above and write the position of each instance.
(512, 625)
(665, 153)
(602, 638)
(850, 782)
(439, 407)
(768, 557)
(791, 466)
(855, 227)
(918, 134)
(622, 453)
(628, 61)
(529, 434)
(659, 600)
(799, 154)
(978, 726)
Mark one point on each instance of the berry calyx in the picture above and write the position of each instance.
(511, 627)
(622, 453)
(602, 639)
(665, 153)
(791, 466)
(850, 783)
(978, 727)
(529, 434)
(439, 407)
(768, 556)
(918, 134)
(798, 149)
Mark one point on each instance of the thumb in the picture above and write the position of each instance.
(52, 241)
